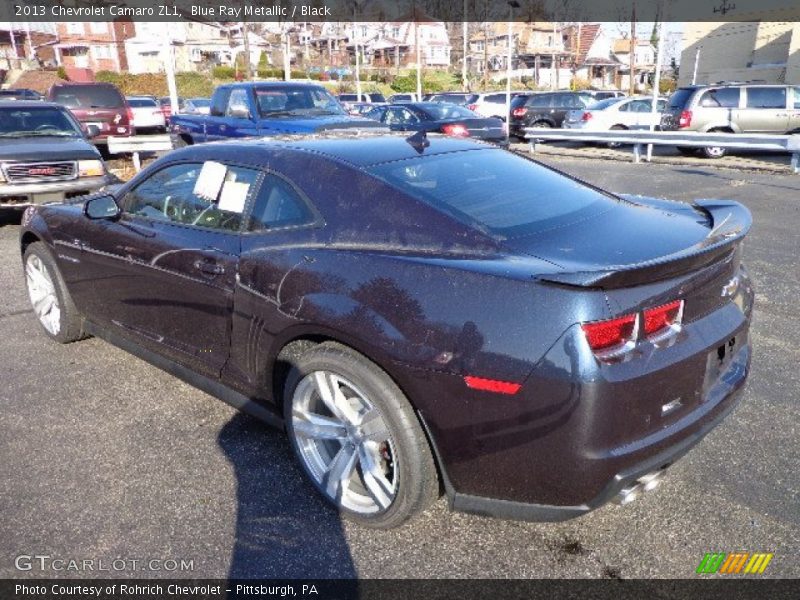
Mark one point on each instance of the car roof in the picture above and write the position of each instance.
(358, 149)
(31, 104)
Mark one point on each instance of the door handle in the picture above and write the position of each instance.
(208, 267)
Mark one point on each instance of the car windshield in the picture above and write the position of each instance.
(45, 121)
(495, 191)
(443, 112)
(296, 101)
(142, 102)
(88, 96)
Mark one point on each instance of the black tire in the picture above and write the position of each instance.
(542, 125)
(616, 144)
(687, 150)
(69, 324)
(417, 484)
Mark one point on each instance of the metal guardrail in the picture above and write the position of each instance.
(139, 143)
(741, 141)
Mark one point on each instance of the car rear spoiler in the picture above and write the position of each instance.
(728, 223)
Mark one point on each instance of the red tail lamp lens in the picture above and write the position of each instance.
(603, 335)
(455, 129)
(491, 385)
(472, 106)
(661, 317)
(519, 112)
(586, 116)
(685, 120)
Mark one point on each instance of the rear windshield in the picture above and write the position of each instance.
(141, 102)
(377, 97)
(347, 97)
(88, 96)
(495, 191)
(679, 98)
(444, 111)
(457, 98)
(604, 104)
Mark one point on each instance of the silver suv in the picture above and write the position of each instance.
(733, 108)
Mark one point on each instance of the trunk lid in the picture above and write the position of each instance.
(644, 242)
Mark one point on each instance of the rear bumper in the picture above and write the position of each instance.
(25, 194)
(729, 394)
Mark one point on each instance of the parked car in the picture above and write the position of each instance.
(197, 106)
(460, 98)
(544, 110)
(360, 109)
(44, 155)
(449, 313)
(449, 119)
(348, 100)
(492, 104)
(147, 115)
(397, 98)
(598, 95)
(20, 94)
(634, 112)
(100, 105)
(166, 107)
(264, 108)
(740, 108)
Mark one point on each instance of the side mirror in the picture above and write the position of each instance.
(101, 207)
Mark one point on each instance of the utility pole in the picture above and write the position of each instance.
(464, 32)
(656, 84)
(632, 53)
(247, 67)
(169, 69)
(696, 62)
(512, 4)
(287, 60)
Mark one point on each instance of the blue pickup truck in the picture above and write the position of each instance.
(262, 109)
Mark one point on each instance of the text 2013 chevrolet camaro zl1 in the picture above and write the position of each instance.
(420, 314)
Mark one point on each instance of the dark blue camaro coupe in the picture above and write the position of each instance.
(420, 314)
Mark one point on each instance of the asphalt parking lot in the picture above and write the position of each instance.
(106, 457)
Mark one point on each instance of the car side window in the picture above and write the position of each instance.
(170, 195)
(626, 107)
(539, 101)
(219, 102)
(496, 99)
(766, 97)
(237, 103)
(720, 98)
(278, 205)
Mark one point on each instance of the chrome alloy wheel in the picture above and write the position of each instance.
(42, 292)
(344, 442)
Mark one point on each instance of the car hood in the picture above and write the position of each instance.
(312, 124)
(43, 149)
(637, 241)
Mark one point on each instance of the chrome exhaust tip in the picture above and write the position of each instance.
(644, 484)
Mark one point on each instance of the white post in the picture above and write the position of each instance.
(169, 69)
(696, 61)
(656, 84)
(465, 46)
(419, 58)
(508, 70)
(31, 51)
(287, 60)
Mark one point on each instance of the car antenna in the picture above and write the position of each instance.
(419, 141)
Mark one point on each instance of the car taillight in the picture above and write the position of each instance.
(663, 319)
(613, 336)
(586, 116)
(129, 112)
(472, 106)
(519, 112)
(455, 129)
(492, 385)
(685, 120)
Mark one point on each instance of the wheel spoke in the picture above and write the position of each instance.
(379, 488)
(315, 426)
(337, 478)
(373, 428)
(332, 396)
(43, 305)
(38, 278)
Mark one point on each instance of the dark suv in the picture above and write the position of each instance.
(544, 110)
(733, 108)
(99, 104)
